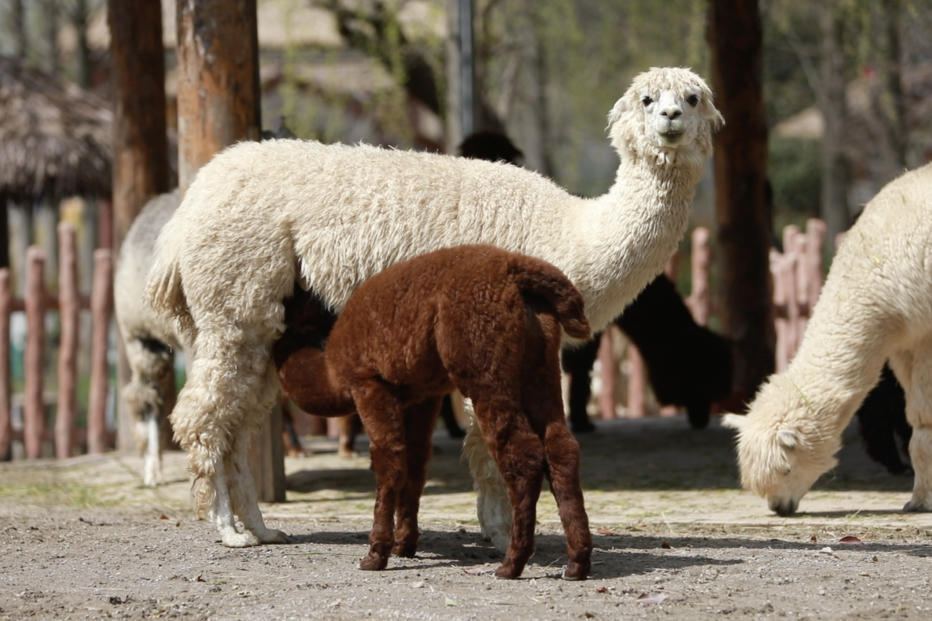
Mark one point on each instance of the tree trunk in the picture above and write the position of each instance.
(832, 103)
(742, 216)
(17, 28)
(50, 34)
(140, 145)
(218, 105)
(218, 80)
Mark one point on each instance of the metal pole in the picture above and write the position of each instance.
(466, 68)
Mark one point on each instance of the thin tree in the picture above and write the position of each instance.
(742, 215)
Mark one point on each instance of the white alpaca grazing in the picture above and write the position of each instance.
(150, 338)
(261, 216)
(876, 305)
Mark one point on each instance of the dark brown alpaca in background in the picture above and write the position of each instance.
(476, 318)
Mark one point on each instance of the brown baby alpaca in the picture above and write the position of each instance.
(480, 319)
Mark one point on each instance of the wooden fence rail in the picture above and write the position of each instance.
(37, 301)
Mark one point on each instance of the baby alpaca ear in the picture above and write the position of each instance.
(734, 421)
(787, 438)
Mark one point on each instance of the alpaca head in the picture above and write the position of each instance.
(781, 448)
(666, 111)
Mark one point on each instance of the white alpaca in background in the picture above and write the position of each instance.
(876, 305)
(150, 339)
(262, 216)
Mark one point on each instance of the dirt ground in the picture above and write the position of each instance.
(674, 537)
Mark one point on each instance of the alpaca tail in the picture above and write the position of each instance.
(543, 280)
(164, 290)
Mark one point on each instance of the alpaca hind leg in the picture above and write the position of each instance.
(519, 453)
(419, 427)
(229, 384)
(562, 452)
(152, 466)
(915, 374)
(243, 495)
(493, 506)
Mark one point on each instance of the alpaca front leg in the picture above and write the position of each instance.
(419, 426)
(920, 452)
(493, 506)
(915, 375)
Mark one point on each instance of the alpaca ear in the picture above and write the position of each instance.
(787, 438)
(734, 421)
(618, 110)
(707, 109)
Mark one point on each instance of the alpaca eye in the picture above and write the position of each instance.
(692, 100)
(786, 472)
(646, 100)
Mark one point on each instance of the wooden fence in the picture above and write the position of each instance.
(36, 302)
(797, 282)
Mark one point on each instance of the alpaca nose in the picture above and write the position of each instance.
(783, 507)
(672, 112)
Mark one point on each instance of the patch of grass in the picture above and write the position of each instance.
(57, 493)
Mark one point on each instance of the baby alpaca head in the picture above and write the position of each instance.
(665, 110)
(781, 449)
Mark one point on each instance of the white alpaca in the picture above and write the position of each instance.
(876, 305)
(261, 216)
(150, 338)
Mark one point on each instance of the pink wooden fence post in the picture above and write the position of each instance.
(815, 241)
(700, 299)
(69, 305)
(101, 308)
(34, 363)
(607, 374)
(637, 383)
(6, 421)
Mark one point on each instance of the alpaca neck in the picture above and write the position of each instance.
(635, 228)
(840, 358)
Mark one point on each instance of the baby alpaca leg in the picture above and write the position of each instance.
(383, 419)
(562, 451)
(519, 454)
(915, 374)
(419, 427)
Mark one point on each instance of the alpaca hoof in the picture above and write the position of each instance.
(373, 562)
(576, 571)
(239, 540)
(508, 571)
(273, 536)
(914, 506)
(404, 550)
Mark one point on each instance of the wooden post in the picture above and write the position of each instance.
(6, 421)
(815, 241)
(140, 144)
(735, 36)
(218, 105)
(33, 404)
(607, 373)
(69, 305)
(700, 299)
(101, 309)
(637, 383)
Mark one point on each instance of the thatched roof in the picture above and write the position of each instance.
(55, 138)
